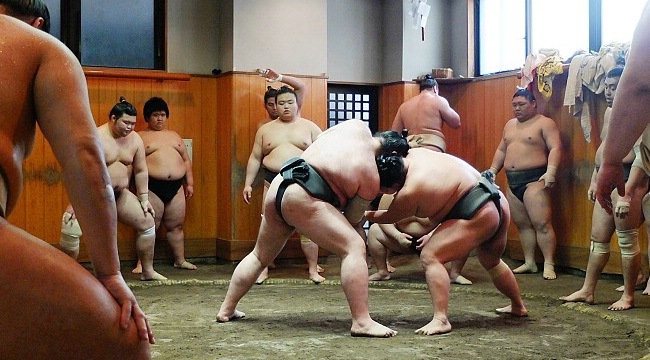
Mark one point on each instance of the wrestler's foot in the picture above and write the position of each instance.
(460, 280)
(371, 329)
(234, 316)
(435, 327)
(520, 311)
(316, 278)
(526, 268)
(647, 288)
(263, 276)
(138, 268)
(579, 296)
(623, 303)
(640, 281)
(185, 265)
(379, 276)
(319, 269)
(391, 268)
(549, 272)
(151, 276)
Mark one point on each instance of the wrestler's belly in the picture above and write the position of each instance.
(120, 176)
(278, 156)
(166, 166)
(414, 228)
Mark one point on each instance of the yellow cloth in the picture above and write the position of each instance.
(420, 140)
(546, 72)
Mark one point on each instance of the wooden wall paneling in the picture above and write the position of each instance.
(214, 200)
(194, 206)
(319, 102)
(34, 188)
(245, 97)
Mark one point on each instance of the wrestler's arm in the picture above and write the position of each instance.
(551, 134)
(632, 103)
(253, 165)
(60, 84)
(401, 208)
(299, 86)
(591, 193)
(141, 174)
(499, 156)
(189, 175)
(449, 115)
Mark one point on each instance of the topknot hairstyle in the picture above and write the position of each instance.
(393, 142)
(428, 82)
(121, 108)
(391, 170)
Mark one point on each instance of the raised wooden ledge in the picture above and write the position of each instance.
(135, 74)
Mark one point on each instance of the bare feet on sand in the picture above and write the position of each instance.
(520, 311)
(234, 316)
(526, 268)
(371, 329)
(316, 278)
(137, 269)
(151, 276)
(579, 296)
(434, 327)
(624, 303)
(640, 281)
(391, 268)
(460, 280)
(379, 276)
(549, 272)
(263, 276)
(185, 265)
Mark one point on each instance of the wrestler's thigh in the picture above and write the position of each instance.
(158, 207)
(456, 238)
(53, 308)
(320, 221)
(377, 234)
(518, 210)
(129, 212)
(602, 224)
(174, 215)
(489, 252)
(537, 201)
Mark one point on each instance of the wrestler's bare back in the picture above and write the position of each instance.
(119, 154)
(603, 135)
(525, 143)
(422, 114)
(165, 151)
(283, 140)
(17, 128)
(439, 175)
(336, 158)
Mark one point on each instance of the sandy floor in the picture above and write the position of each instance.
(291, 318)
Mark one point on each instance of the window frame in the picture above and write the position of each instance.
(595, 32)
(71, 31)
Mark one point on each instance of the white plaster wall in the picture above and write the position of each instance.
(434, 52)
(355, 41)
(393, 22)
(287, 35)
(193, 44)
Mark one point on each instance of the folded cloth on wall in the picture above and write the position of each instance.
(589, 70)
